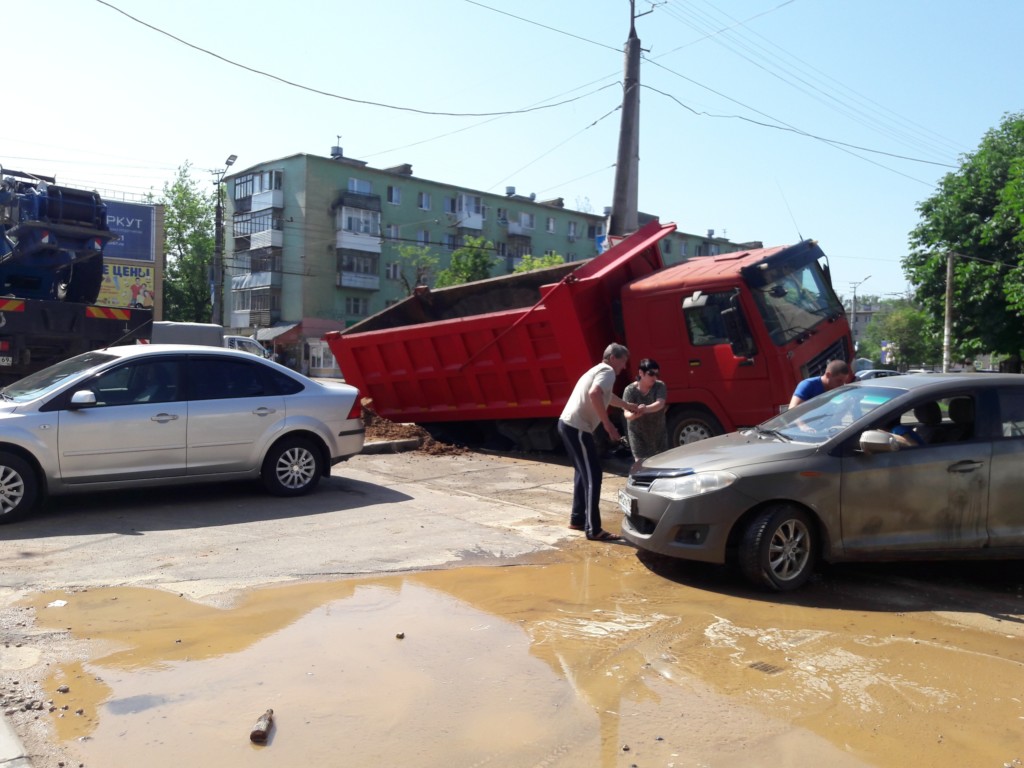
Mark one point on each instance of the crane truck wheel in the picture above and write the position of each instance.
(19, 488)
(688, 425)
(85, 282)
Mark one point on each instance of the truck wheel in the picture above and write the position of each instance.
(778, 549)
(19, 488)
(292, 467)
(690, 425)
(86, 279)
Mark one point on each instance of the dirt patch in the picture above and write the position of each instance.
(379, 428)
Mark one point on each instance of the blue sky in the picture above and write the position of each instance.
(101, 100)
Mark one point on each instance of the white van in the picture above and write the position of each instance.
(246, 344)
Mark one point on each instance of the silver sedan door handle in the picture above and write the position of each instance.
(163, 418)
(264, 411)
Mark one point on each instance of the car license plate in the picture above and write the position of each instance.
(6, 360)
(626, 503)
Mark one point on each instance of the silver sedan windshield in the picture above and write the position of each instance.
(40, 383)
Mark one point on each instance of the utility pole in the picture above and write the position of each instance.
(853, 314)
(218, 245)
(947, 325)
(625, 196)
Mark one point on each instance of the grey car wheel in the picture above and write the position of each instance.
(778, 549)
(292, 467)
(19, 488)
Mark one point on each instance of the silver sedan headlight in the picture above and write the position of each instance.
(678, 488)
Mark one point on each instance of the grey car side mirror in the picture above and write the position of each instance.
(877, 441)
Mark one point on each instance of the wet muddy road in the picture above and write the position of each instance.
(434, 611)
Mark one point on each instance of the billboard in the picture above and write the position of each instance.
(127, 285)
(135, 227)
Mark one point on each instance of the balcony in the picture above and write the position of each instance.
(360, 280)
(272, 198)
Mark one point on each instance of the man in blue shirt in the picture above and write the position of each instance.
(837, 373)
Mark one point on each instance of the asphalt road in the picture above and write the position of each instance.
(870, 665)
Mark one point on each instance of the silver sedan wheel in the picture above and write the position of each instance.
(12, 490)
(292, 467)
(296, 467)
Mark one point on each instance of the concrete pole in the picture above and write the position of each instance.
(947, 325)
(625, 196)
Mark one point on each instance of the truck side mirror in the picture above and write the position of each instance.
(739, 337)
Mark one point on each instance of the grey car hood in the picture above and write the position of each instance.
(737, 449)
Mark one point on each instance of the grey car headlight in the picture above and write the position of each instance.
(678, 488)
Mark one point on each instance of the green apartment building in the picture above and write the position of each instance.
(312, 244)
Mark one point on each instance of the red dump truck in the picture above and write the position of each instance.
(733, 335)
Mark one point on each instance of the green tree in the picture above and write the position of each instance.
(188, 248)
(906, 329)
(417, 265)
(530, 262)
(471, 262)
(977, 213)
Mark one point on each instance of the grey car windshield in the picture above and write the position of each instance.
(825, 416)
(44, 381)
(795, 303)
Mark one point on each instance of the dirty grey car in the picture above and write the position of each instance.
(152, 415)
(898, 468)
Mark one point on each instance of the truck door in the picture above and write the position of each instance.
(738, 382)
(136, 429)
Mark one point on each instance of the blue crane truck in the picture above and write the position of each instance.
(51, 271)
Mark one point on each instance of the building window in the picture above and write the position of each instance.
(357, 306)
(320, 356)
(358, 262)
(595, 231)
(423, 200)
(394, 195)
(451, 242)
(359, 221)
(360, 186)
(550, 252)
(394, 271)
(449, 205)
(391, 232)
(470, 204)
(423, 237)
(501, 249)
(503, 215)
(551, 224)
(682, 248)
(526, 220)
(668, 246)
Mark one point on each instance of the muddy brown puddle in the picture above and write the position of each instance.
(596, 662)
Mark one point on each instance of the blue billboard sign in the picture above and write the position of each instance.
(135, 226)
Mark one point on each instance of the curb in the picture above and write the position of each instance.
(392, 446)
(12, 753)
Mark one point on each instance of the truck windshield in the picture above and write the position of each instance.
(42, 382)
(793, 303)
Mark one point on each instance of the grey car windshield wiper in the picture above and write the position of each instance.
(772, 433)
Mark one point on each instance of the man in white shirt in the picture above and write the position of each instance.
(586, 410)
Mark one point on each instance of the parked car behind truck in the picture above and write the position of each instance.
(733, 335)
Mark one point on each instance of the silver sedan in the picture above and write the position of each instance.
(898, 468)
(151, 415)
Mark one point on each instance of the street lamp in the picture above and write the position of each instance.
(218, 248)
(853, 314)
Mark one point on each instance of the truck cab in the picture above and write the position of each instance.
(246, 344)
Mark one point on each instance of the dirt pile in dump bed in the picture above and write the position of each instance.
(379, 428)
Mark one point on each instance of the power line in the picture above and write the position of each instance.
(328, 93)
